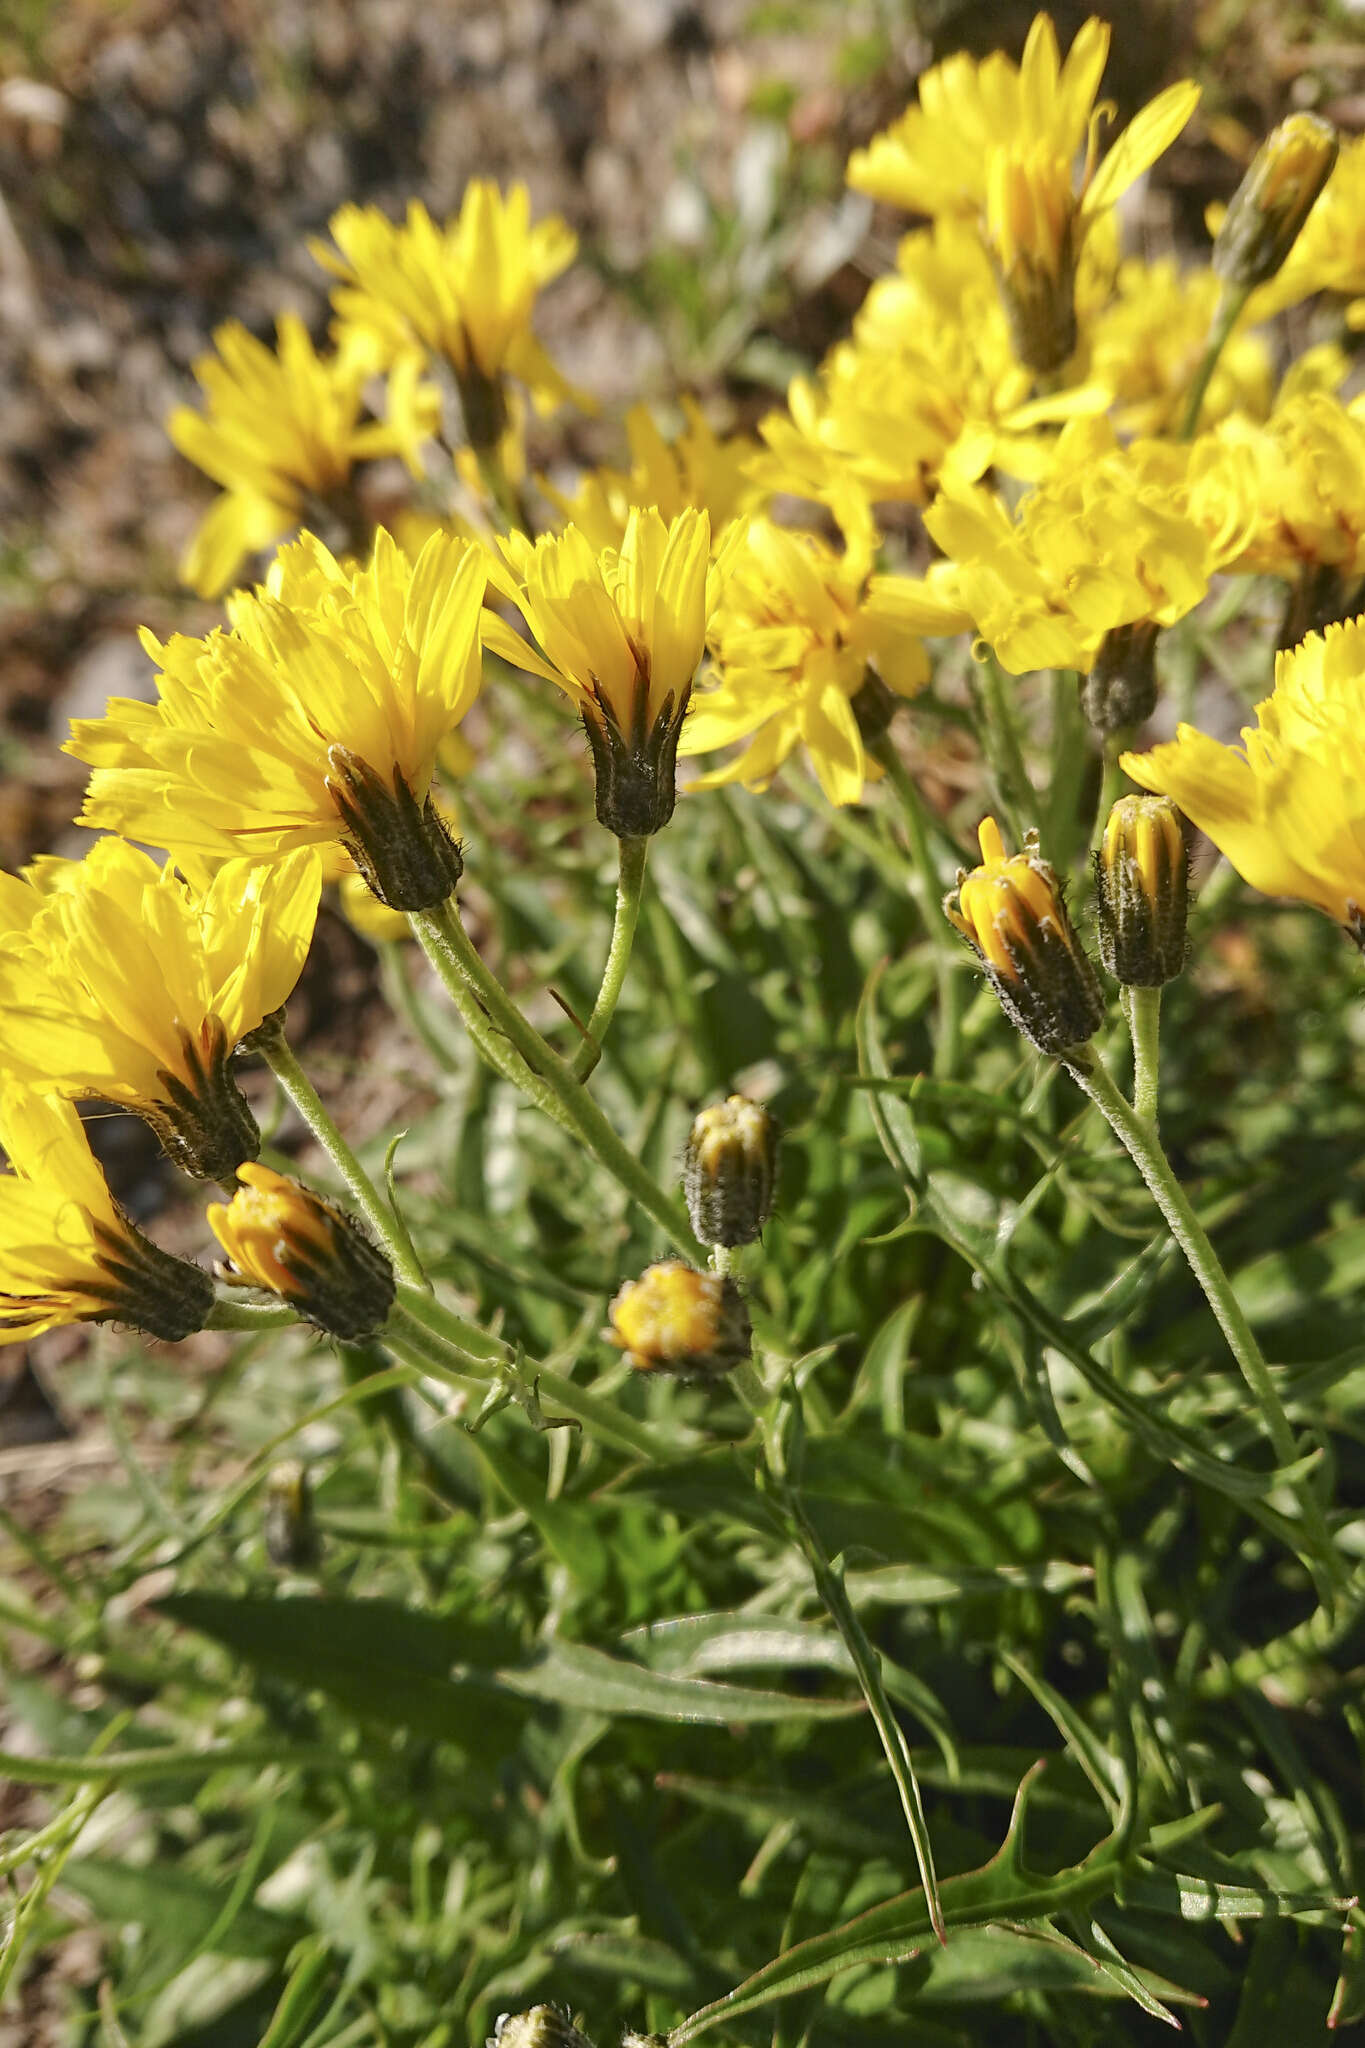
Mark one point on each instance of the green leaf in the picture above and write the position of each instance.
(177, 1907)
(572, 1675)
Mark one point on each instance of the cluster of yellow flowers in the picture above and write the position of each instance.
(1091, 439)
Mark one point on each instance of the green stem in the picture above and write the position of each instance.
(1139, 1139)
(453, 1345)
(634, 853)
(783, 1436)
(550, 1082)
(1017, 794)
(387, 1225)
(248, 1315)
(1225, 318)
(1142, 1008)
(927, 887)
(1113, 782)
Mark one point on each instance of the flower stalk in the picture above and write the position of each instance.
(386, 1223)
(550, 1082)
(1139, 1139)
(629, 895)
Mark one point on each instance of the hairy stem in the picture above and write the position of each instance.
(629, 891)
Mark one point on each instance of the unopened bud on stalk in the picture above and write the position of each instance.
(1274, 200)
(675, 1319)
(729, 1171)
(1010, 910)
(287, 1240)
(291, 1532)
(544, 2026)
(1142, 879)
(1120, 690)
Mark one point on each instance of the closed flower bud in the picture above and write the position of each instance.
(1120, 690)
(675, 1319)
(544, 2026)
(291, 1532)
(728, 1172)
(1142, 875)
(283, 1238)
(1274, 200)
(1010, 910)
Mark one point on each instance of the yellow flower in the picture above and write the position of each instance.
(1295, 486)
(927, 387)
(123, 983)
(1012, 914)
(997, 144)
(281, 1237)
(621, 630)
(674, 1319)
(791, 643)
(697, 467)
(314, 719)
(1104, 542)
(283, 428)
(1287, 807)
(68, 1254)
(1146, 345)
(464, 292)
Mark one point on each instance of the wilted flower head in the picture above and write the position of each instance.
(621, 630)
(122, 982)
(68, 1254)
(1287, 806)
(791, 642)
(282, 432)
(313, 720)
(997, 144)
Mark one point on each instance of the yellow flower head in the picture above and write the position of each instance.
(283, 1238)
(997, 144)
(1146, 345)
(1295, 486)
(284, 427)
(122, 982)
(1287, 806)
(1011, 912)
(1104, 542)
(465, 291)
(696, 468)
(621, 630)
(68, 1254)
(791, 642)
(314, 718)
(674, 1319)
(928, 387)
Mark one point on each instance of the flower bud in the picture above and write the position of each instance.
(1030, 233)
(728, 1171)
(403, 848)
(544, 2026)
(1274, 200)
(678, 1320)
(1142, 876)
(1120, 690)
(1010, 911)
(291, 1532)
(283, 1238)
